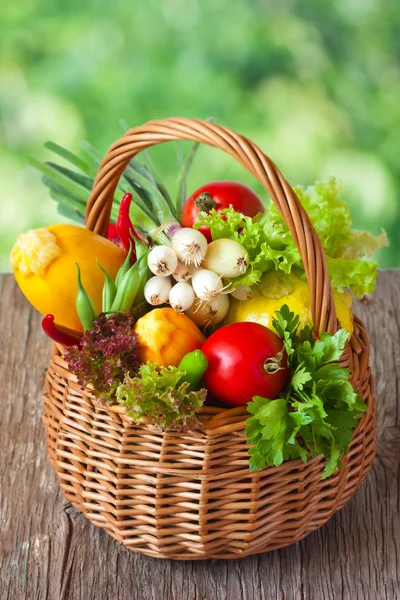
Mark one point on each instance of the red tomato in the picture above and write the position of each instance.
(238, 365)
(219, 195)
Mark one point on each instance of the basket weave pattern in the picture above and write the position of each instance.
(191, 495)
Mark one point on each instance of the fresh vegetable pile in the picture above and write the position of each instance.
(201, 298)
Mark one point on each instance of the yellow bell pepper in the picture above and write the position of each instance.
(44, 267)
(165, 336)
(273, 293)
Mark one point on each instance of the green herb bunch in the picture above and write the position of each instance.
(319, 409)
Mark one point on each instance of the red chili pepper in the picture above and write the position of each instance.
(125, 229)
(112, 233)
(60, 336)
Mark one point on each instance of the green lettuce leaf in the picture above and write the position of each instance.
(157, 395)
(359, 244)
(345, 248)
(357, 275)
(330, 216)
(270, 245)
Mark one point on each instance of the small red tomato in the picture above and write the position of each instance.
(245, 360)
(219, 195)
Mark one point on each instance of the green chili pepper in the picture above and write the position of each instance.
(144, 275)
(124, 268)
(128, 285)
(144, 271)
(141, 250)
(109, 290)
(84, 305)
(127, 290)
(194, 364)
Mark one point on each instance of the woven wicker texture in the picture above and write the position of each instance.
(192, 496)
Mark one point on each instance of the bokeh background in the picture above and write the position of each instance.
(316, 84)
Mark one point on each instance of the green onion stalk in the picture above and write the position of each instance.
(153, 212)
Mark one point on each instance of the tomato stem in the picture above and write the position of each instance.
(205, 202)
(273, 364)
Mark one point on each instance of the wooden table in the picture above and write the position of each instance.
(49, 550)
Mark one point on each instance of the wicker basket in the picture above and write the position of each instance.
(192, 496)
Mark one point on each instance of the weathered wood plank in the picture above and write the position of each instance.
(48, 550)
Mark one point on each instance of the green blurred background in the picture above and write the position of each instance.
(316, 84)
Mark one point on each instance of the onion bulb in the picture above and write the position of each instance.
(162, 261)
(181, 296)
(157, 289)
(183, 272)
(209, 313)
(242, 292)
(206, 284)
(190, 246)
(227, 258)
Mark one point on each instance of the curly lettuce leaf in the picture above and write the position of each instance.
(157, 395)
(225, 224)
(345, 248)
(279, 259)
(330, 216)
(270, 245)
(359, 244)
(357, 275)
(268, 249)
(105, 354)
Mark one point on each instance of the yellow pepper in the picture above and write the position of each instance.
(274, 292)
(165, 336)
(44, 267)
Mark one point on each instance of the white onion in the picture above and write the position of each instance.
(209, 313)
(181, 296)
(162, 261)
(157, 289)
(206, 284)
(190, 246)
(227, 258)
(183, 272)
(242, 292)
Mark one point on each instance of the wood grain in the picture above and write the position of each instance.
(50, 551)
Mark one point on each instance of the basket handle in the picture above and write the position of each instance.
(256, 162)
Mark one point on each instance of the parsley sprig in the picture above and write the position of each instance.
(317, 411)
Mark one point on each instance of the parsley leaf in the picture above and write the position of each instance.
(330, 347)
(318, 410)
(299, 378)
